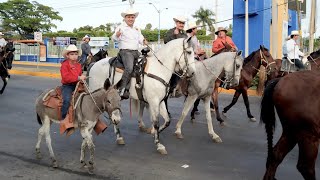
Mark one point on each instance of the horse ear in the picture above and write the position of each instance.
(261, 47)
(107, 84)
(239, 53)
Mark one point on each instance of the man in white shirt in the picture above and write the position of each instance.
(129, 38)
(293, 52)
(3, 42)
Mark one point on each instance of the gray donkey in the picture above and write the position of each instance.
(87, 112)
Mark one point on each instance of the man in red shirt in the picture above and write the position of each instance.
(71, 73)
(223, 42)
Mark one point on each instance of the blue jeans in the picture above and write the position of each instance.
(66, 95)
(83, 59)
(298, 63)
(128, 57)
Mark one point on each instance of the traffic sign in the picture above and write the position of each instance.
(37, 36)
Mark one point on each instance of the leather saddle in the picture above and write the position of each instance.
(54, 100)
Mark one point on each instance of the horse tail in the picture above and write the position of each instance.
(39, 119)
(267, 115)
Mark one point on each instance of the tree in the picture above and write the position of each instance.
(205, 18)
(85, 28)
(148, 26)
(26, 18)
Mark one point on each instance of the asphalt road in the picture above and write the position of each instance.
(242, 154)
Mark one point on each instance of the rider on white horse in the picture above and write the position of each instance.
(3, 42)
(293, 52)
(129, 38)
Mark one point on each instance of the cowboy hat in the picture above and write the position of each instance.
(295, 32)
(1, 34)
(220, 29)
(128, 12)
(180, 19)
(71, 48)
(86, 37)
(191, 25)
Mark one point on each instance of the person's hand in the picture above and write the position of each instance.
(118, 34)
(82, 77)
(176, 31)
(145, 42)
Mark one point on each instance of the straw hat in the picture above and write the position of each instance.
(86, 37)
(129, 11)
(180, 19)
(295, 33)
(191, 25)
(71, 48)
(1, 34)
(220, 29)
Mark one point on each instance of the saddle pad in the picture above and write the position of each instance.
(53, 98)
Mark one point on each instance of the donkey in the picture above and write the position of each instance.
(87, 112)
(175, 56)
(200, 85)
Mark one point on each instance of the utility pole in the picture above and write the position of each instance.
(247, 29)
(274, 28)
(216, 18)
(312, 25)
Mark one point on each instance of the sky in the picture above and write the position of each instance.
(77, 13)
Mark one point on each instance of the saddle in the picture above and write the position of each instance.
(289, 67)
(53, 99)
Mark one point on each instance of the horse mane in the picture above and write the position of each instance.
(248, 59)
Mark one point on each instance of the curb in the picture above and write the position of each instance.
(57, 75)
(37, 64)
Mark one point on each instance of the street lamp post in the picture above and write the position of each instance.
(159, 11)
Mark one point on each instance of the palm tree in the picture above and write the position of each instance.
(205, 18)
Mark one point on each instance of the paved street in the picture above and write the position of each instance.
(242, 154)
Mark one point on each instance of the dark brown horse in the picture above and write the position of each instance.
(296, 99)
(4, 73)
(250, 68)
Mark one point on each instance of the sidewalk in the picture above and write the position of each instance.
(52, 70)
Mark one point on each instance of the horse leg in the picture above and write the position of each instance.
(285, 144)
(87, 137)
(212, 134)
(120, 140)
(164, 114)
(166, 102)
(40, 135)
(186, 107)
(308, 151)
(215, 101)
(246, 102)
(142, 127)
(233, 102)
(4, 84)
(154, 111)
(82, 153)
(46, 125)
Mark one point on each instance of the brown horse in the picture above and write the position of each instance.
(300, 119)
(250, 68)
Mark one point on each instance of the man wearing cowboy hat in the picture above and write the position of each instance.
(86, 49)
(71, 73)
(191, 31)
(223, 42)
(293, 52)
(176, 32)
(3, 42)
(129, 38)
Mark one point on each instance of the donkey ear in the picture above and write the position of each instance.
(239, 53)
(117, 86)
(107, 84)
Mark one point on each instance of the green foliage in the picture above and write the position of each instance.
(27, 17)
(204, 37)
(205, 18)
(148, 26)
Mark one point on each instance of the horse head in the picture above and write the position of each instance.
(185, 62)
(232, 68)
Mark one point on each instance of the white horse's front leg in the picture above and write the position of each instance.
(187, 105)
(120, 140)
(212, 134)
(165, 115)
(142, 127)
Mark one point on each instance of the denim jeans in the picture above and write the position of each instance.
(128, 58)
(83, 59)
(298, 63)
(66, 95)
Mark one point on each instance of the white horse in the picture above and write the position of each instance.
(175, 56)
(202, 83)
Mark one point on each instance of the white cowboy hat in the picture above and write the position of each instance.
(1, 34)
(180, 19)
(220, 29)
(191, 25)
(71, 48)
(86, 37)
(129, 11)
(295, 32)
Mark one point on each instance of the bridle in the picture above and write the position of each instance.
(265, 63)
(313, 60)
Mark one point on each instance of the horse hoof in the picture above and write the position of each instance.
(38, 156)
(224, 115)
(7, 79)
(143, 129)
(163, 151)
(193, 120)
(54, 164)
(223, 124)
(90, 171)
(253, 119)
(120, 141)
(217, 140)
(149, 130)
(179, 135)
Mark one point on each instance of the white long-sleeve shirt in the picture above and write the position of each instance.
(3, 42)
(130, 37)
(293, 50)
